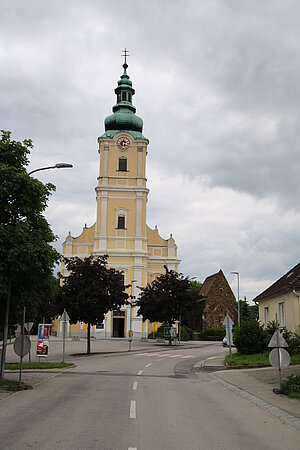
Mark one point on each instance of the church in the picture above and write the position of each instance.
(121, 230)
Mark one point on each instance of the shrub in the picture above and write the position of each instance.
(291, 385)
(214, 334)
(187, 333)
(250, 338)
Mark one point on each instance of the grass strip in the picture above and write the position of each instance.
(38, 365)
(4, 383)
(256, 360)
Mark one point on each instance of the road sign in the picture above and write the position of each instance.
(277, 340)
(279, 358)
(130, 333)
(28, 326)
(65, 316)
(228, 320)
(18, 345)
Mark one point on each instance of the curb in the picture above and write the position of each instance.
(277, 412)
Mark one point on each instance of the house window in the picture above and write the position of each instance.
(121, 222)
(266, 316)
(124, 96)
(123, 164)
(281, 314)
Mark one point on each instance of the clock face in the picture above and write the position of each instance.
(123, 143)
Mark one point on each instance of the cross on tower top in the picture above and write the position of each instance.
(125, 54)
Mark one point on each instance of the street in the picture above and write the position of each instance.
(139, 400)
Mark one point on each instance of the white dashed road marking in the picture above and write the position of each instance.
(133, 409)
(150, 364)
(140, 372)
(134, 387)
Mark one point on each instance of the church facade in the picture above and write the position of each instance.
(120, 230)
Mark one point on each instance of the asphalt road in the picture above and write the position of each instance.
(139, 401)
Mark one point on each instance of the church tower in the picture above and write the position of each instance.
(120, 230)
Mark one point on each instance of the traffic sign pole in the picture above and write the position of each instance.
(228, 322)
(65, 319)
(22, 346)
(278, 357)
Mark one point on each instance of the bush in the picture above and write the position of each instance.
(214, 334)
(187, 333)
(251, 338)
(159, 334)
(291, 385)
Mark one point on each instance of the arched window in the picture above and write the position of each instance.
(122, 164)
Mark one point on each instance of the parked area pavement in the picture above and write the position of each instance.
(254, 384)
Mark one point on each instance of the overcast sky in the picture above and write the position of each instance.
(218, 87)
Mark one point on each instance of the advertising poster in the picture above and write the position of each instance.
(43, 340)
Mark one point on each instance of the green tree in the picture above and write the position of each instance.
(248, 312)
(192, 318)
(167, 298)
(90, 291)
(26, 256)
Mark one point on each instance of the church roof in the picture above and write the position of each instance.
(124, 116)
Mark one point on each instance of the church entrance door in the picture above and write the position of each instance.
(118, 327)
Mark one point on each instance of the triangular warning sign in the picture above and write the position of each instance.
(277, 340)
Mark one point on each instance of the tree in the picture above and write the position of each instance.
(193, 317)
(90, 291)
(167, 298)
(26, 256)
(248, 312)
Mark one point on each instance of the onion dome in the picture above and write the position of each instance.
(124, 117)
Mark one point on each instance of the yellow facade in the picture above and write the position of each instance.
(120, 230)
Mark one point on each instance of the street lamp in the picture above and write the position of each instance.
(130, 334)
(5, 330)
(238, 296)
(57, 166)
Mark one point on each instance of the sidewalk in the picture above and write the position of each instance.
(257, 386)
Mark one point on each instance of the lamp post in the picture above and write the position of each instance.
(130, 334)
(238, 296)
(57, 166)
(5, 330)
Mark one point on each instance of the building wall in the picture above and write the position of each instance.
(269, 307)
(220, 301)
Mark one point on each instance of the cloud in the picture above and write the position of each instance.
(217, 85)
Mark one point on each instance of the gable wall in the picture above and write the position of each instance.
(220, 301)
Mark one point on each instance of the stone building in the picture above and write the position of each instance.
(218, 300)
(120, 230)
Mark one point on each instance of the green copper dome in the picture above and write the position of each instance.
(124, 117)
